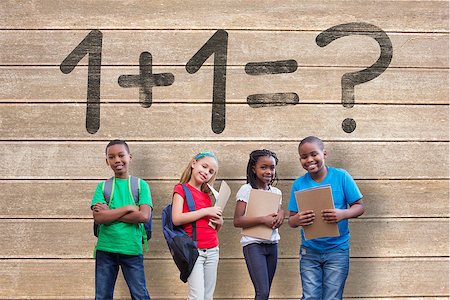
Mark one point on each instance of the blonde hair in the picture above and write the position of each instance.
(187, 173)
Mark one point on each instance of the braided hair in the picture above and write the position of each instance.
(253, 159)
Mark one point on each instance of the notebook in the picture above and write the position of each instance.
(261, 203)
(317, 199)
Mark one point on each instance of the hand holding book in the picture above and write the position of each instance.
(306, 217)
(269, 220)
(278, 220)
(222, 197)
(262, 204)
(332, 216)
(317, 215)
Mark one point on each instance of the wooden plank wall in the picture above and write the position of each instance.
(398, 152)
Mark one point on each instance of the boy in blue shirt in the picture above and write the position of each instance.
(120, 234)
(324, 262)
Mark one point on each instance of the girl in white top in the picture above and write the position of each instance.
(260, 255)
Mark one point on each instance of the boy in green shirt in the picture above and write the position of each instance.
(120, 234)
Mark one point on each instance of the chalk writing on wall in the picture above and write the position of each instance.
(217, 45)
(349, 80)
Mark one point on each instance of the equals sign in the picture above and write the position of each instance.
(271, 67)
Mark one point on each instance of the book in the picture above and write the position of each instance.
(317, 199)
(221, 196)
(261, 203)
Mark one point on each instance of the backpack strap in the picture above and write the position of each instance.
(134, 188)
(191, 205)
(108, 189)
(134, 185)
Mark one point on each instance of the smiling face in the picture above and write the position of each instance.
(312, 159)
(203, 170)
(264, 170)
(118, 158)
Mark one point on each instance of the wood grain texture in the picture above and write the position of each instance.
(160, 122)
(428, 16)
(165, 160)
(376, 277)
(30, 239)
(70, 199)
(176, 47)
(398, 153)
(315, 85)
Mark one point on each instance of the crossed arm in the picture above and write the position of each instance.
(129, 214)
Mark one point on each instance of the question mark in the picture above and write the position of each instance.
(349, 80)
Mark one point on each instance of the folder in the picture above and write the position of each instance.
(221, 196)
(317, 199)
(261, 203)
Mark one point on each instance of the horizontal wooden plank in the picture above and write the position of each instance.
(312, 84)
(68, 122)
(42, 279)
(415, 15)
(370, 238)
(382, 198)
(166, 160)
(396, 298)
(173, 47)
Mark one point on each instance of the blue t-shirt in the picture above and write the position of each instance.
(345, 192)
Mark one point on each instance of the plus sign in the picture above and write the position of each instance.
(146, 79)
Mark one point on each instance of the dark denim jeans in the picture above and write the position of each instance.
(323, 275)
(106, 270)
(261, 262)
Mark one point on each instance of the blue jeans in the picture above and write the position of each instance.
(106, 270)
(323, 275)
(261, 260)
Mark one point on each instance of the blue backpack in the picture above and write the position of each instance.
(182, 247)
(134, 187)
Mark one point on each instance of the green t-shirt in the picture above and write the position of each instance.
(117, 236)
